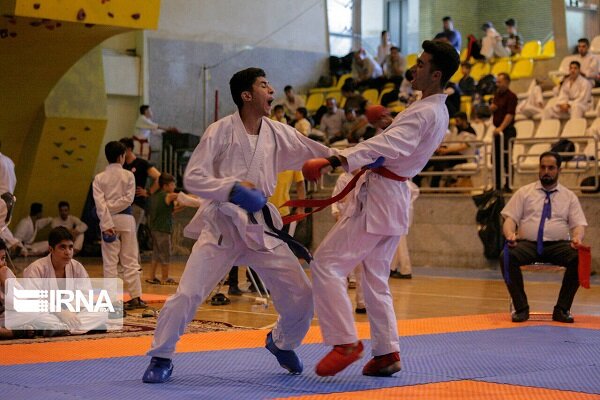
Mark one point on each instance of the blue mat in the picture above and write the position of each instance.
(540, 356)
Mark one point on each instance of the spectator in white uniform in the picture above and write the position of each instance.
(147, 133)
(28, 228)
(73, 224)
(574, 97)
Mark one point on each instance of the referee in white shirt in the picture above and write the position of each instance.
(543, 222)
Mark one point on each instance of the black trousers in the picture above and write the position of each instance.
(509, 132)
(557, 253)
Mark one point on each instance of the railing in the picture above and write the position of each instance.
(527, 163)
(477, 166)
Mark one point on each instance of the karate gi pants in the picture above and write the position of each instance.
(125, 251)
(345, 246)
(212, 257)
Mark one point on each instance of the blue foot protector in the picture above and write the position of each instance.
(159, 370)
(286, 358)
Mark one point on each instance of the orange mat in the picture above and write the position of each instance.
(458, 390)
(137, 346)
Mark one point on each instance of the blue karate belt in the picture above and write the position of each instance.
(296, 247)
(127, 211)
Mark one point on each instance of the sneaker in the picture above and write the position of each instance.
(159, 370)
(385, 365)
(339, 358)
(288, 359)
(134, 303)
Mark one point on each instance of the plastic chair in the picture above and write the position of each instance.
(384, 91)
(411, 60)
(457, 76)
(522, 69)
(502, 65)
(463, 54)
(479, 70)
(548, 51)
(315, 100)
(531, 49)
(371, 95)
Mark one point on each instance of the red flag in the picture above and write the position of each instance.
(585, 265)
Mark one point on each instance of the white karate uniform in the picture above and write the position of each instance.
(371, 225)
(530, 106)
(225, 235)
(145, 137)
(74, 223)
(42, 268)
(336, 210)
(27, 231)
(402, 256)
(24, 320)
(577, 94)
(114, 190)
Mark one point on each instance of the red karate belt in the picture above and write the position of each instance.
(585, 265)
(319, 204)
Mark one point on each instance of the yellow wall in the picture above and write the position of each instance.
(51, 79)
(137, 14)
(62, 165)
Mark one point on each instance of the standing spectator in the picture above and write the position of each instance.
(467, 83)
(160, 222)
(28, 228)
(73, 224)
(589, 63)
(504, 108)
(512, 41)
(384, 48)
(449, 33)
(114, 191)
(291, 101)
(141, 169)
(332, 121)
(574, 97)
(491, 43)
(302, 124)
(551, 226)
(146, 130)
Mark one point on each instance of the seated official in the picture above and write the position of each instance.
(551, 226)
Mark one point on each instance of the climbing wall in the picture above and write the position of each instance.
(41, 45)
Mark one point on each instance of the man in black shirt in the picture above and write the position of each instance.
(141, 169)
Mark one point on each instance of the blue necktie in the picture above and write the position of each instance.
(546, 214)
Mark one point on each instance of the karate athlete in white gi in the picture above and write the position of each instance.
(376, 216)
(114, 190)
(60, 264)
(233, 168)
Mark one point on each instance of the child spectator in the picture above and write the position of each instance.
(160, 222)
(114, 190)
